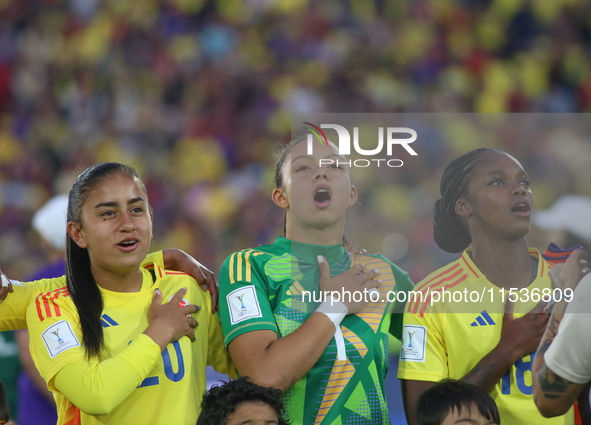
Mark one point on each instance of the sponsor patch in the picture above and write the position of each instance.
(414, 343)
(58, 338)
(243, 304)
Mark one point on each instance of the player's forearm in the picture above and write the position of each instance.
(549, 334)
(553, 394)
(97, 388)
(287, 360)
(490, 369)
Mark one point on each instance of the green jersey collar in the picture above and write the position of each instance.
(308, 252)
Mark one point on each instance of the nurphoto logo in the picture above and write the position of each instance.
(344, 144)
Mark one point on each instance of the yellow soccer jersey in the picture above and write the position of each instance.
(171, 393)
(447, 339)
(14, 308)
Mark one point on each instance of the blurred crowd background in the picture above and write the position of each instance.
(198, 95)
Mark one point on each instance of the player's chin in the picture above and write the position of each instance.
(520, 230)
(133, 258)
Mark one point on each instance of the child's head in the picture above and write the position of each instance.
(241, 401)
(455, 402)
(4, 410)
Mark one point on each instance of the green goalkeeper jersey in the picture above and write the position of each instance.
(274, 287)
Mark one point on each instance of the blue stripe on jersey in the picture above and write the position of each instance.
(487, 317)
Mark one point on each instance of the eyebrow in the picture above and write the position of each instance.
(248, 421)
(115, 204)
(310, 156)
(503, 171)
(473, 421)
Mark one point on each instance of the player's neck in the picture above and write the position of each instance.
(118, 281)
(505, 264)
(330, 235)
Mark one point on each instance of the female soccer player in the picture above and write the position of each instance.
(486, 202)
(275, 332)
(100, 337)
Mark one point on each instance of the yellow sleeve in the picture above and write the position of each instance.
(92, 386)
(154, 258)
(97, 388)
(13, 309)
(423, 355)
(217, 355)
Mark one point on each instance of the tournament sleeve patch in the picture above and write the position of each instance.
(414, 343)
(243, 304)
(58, 338)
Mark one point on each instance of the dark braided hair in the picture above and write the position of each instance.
(449, 229)
(221, 401)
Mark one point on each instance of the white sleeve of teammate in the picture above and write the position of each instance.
(569, 355)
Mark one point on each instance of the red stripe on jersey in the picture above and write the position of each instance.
(468, 264)
(177, 273)
(445, 279)
(438, 276)
(424, 307)
(48, 297)
(55, 306)
(542, 272)
(38, 305)
(46, 305)
(74, 413)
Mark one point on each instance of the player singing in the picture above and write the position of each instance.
(486, 202)
(100, 336)
(330, 362)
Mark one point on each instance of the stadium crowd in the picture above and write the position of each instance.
(198, 94)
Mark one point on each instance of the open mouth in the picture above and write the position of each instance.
(128, 245)
(322, 197)
(522, 208)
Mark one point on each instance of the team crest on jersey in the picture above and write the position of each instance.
(243, 304)
(182, 303)
(414, 343)
(58, 338)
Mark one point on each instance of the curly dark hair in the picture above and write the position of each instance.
(221, 401)
(449, 395)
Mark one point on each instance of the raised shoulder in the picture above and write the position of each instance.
(238, 266)
(172, 280)
(453, 277)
